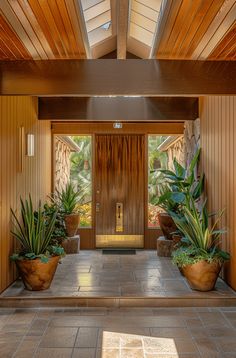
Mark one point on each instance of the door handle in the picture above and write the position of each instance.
(97, 207)
(119, 217)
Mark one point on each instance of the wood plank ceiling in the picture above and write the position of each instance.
(80, 29)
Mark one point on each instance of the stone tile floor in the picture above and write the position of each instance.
(92, 274)
(118, 333)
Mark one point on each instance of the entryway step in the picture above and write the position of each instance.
(144, 302)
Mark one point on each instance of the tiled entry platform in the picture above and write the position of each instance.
(118, 333)
(143, 276)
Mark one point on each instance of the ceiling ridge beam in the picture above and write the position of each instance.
(123, 10)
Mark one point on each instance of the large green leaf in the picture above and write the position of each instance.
(179, 169)
(195, 160)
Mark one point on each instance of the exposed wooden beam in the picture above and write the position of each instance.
(117, 78)
(118, 108)
(122, 26)
(162, 128)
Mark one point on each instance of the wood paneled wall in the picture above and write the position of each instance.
(35, 177)
(218, 142)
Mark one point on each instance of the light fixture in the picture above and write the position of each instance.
(117, 125)
(30, 145)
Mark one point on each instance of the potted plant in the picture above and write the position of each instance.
(37, 259)
(176, 190)
(199, 258)
(68, 201)
(59, 232)
(166, 202)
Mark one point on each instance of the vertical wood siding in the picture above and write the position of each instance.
(35, 177)
(218, 142)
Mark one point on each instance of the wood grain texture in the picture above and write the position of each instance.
(72, 128)
(35, 177)
(226, 49)
(117, 77)
(118, 108)
(122, 23)
(193, 29)
(218, 144)
(41, 29)
(119, 177)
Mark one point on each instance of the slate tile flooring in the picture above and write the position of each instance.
(118, 333)
(91, 274)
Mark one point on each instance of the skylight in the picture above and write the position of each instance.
(97, 16)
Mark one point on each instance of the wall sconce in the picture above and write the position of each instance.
(30, 145)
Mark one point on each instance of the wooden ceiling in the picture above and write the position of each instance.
(196, 29)
(40, 29)
(80, 29)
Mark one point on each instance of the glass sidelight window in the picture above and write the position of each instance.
(156, 159)
(73, 163)
(81, 176)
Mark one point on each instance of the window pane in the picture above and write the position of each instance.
(81, 177)
(156, 159)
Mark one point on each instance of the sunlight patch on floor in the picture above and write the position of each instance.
(116, 344)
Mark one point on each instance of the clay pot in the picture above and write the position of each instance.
(71, 245)
(167, 225)
(37, 275)
(72, 224)
(202, 275)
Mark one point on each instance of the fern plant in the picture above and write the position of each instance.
(33, 233)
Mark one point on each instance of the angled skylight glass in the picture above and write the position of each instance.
(144, 19)
(97, 15)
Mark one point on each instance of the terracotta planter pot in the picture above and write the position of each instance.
(72, 224)
(202, 276)
(167, 225)
(71, 245)
(37, 275)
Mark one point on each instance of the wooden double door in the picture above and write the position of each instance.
(119, 190)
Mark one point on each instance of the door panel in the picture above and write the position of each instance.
(119, 185)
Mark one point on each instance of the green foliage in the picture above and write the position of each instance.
(33, 232)
(180, 186)
(67, 199)
(50, 209)
(189, 255)
(200, 241)
(81, 177)
(195, 227)
(156, 160)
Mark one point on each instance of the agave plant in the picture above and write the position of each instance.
(201, 240)
(68, 199)
(33, 233)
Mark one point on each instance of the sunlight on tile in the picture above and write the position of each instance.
(116, 344)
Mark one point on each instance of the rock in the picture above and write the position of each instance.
(71, 245)
(164, 247)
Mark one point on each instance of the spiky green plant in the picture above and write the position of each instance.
(32, 232)
(201, 241)
(68, 199)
